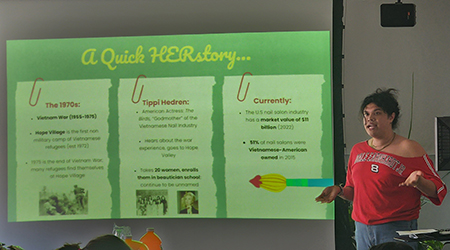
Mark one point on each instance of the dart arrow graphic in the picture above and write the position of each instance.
(277, 182)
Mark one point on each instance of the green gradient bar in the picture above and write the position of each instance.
(309, 182)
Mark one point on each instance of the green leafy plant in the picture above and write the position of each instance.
(431, 245)
(2, 247)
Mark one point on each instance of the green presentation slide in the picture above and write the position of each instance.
(179, 126)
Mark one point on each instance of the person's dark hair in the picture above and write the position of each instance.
(107, 242)
(386, 99)
(68, 246)
(392, 246)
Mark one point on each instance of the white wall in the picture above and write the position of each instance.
(388, 57)
(35, 19)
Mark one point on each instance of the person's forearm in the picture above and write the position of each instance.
(347, 193)
(427, 187)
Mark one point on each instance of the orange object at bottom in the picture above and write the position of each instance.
(151, 239)
(135, 245)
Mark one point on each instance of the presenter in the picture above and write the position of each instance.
(387, 175)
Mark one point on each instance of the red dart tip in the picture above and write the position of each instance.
(256, 181)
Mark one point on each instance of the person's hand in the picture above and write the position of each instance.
(412, 180)
(328, 194)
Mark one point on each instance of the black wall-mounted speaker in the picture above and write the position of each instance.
(398, 15)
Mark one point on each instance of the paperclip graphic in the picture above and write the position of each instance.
(32, 92)
(277, 182)
(134, 90)
(240, 86)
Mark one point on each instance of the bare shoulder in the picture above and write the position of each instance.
(408, 148)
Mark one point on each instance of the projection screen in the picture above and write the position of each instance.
(235, 125)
